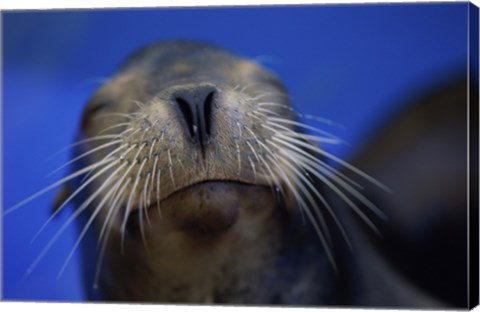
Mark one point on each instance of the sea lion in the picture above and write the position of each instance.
(193, 176)
(195, 157)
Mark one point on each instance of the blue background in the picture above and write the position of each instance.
(354, 64)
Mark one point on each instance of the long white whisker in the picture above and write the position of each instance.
(281, 171)
(158, 182)
(86, 154)
(120, 194)
(140, 219)
(308, 164)
(306, 210)
(306, 193)
(303, 116)
(257, 156)
(56, 236)
(108, 115)
(130, 198)
(65, 202)
(158, 192)
(276, 185)
(170, 168)
(146, 200)
(340, 161)
(270, 94)
(104, 240)
(275, 128)
(102, 250)
(252, 164)
(139, 104)
(276, 121)
(122, 124)
(296, 157)
(94, 214)
(52, 186)
(129, 206)
(248, 85)
(239, 160)
(326, 170)
(278, 138)
(269, 112)
(109, 155)
(151, 147)
(299, 199)
(96, 138)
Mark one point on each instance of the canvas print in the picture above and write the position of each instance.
(300, 155)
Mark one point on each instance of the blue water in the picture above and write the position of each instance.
(354, 64)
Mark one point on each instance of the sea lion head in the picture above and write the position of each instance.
(193, 151)
(188, 118)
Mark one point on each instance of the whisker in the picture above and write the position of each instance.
(311, 217)
(170, 167)
(94, 214)
(180, 163)
(269, 152)
(296, 157)
(108, 115)
(299, 199)
(140, 219)
(271, 94)
(303, 116)
(108, 156)
(145, 201)
(154, 142)
(252, 164)
(65, 202)
(129, 203)
(88, 140)
(239, 160)
(257, 156)
(341, 162)
(292, 133)
(345, 185)
(251, 84)
(306, 193)
(86, 154)
(153, 180)
(334, 172)
(55, 238)
(122, 124)
(120, 194)
(139, 104)
(158, 192)
(267, 111)
(52, 186)
(104, 240)
(359, 212)
(275, 121)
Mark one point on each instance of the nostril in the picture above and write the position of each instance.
(187, 113)
(207, 107)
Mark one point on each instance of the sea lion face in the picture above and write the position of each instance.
(184, 115)
(186, 146)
